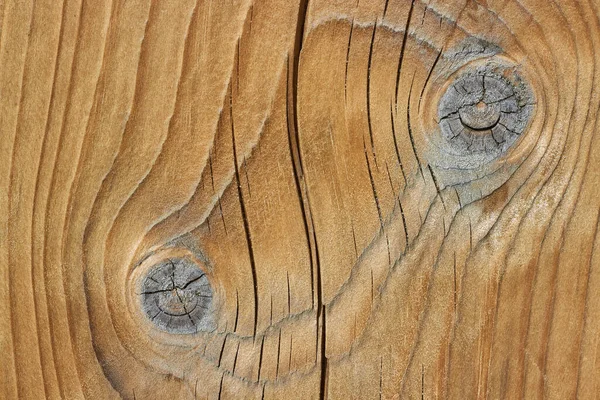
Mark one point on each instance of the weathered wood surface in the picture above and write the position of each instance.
(295, 152)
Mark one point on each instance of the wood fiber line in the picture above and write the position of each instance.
(117, 82)
(18, 343)
(150, 117)
(323, 167)
(61, 91)
(34, 124)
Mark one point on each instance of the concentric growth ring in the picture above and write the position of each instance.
(484, 110)
(177, 297)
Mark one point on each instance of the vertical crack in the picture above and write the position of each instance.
(369, 95)
(260, 359)
(278, 355)
(348, 61)
(437, 59)
(311, 237)
(221, 352)
(237, 310)
(324, 362)
(410, 12)
(243, 210)
(294, 145)
(396, 145)
(410, 133)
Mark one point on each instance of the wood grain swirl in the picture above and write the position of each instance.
(291, 168)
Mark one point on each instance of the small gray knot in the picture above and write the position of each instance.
(177, 297)
(484, 111)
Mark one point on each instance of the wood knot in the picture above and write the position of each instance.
(177, 297)
(485, 110)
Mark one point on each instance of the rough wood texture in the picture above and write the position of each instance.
(295, 152)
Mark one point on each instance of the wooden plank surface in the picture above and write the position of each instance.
(373, 199)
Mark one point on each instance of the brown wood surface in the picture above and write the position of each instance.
(292, 150)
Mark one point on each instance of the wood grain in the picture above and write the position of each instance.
(294, 152)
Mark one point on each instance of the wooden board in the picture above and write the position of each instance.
(362, 215)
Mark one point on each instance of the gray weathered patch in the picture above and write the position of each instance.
(177, 297)
(484, 111)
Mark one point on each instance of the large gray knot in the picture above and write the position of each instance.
(484, 110)
(177, 297)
